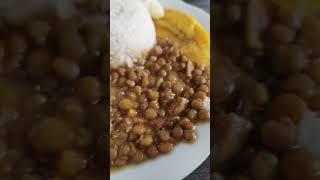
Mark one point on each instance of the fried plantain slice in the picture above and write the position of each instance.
(184, 30)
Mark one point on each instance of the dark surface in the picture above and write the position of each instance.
(203, 171)
(203, 4)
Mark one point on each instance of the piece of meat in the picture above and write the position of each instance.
(190, 68)
(159, 122)
(165, 122)
(230, 132)
(178, 106)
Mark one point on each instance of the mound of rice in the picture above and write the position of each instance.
(132, 31)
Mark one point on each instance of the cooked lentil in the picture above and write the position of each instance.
(156, 119)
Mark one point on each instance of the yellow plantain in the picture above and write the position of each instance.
(187, 33)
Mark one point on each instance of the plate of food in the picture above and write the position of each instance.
(159, 89)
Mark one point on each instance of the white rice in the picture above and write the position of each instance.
(132, 31)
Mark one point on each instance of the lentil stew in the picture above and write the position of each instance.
(155, 104)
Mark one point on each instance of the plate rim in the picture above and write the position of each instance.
(204, 19)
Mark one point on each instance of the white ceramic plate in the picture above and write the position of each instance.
(185, 158)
